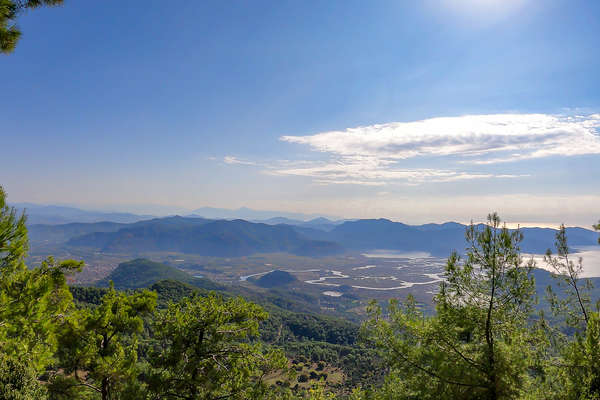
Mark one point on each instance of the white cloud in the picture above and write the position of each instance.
(373, 172)
(371, 155)
(237, 161)
(472, 137)
(381, 154)
(348, 182)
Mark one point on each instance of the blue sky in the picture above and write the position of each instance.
(413, 110)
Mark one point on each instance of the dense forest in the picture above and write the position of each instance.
(193, 339)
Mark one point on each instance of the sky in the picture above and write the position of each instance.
(417, 111)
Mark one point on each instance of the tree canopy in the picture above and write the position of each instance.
(205, 350)
(34, 303)
(10, 10)
(477, 343)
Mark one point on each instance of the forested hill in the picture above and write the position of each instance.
(293, 324)
(224, 238)
(141, 273)
(220, 238)
(302, 326)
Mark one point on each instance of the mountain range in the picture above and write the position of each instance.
(234, 238)
(249, 214)
(219, 238)
(54, 215)
(320, 223)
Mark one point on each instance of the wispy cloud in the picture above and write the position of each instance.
(372, 155)
(374, 172)
(477, 138)
(381, 154)
(235, 160)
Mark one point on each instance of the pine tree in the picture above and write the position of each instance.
(206, 351)
(575, 369)
(477, 344)
(34, 303)
(19, 381)
(9, 12)
(98, 348)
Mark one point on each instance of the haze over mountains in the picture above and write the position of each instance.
(55, 214)
(250, 214)
(220, 238)
(234, 238)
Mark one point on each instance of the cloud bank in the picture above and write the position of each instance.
(526, 135)
(373, 155)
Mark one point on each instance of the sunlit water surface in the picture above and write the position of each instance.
(590, 256)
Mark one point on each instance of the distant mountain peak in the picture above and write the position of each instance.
(320, 220)
(250, 214)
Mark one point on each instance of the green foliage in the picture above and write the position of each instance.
(579, 372)
(575, 374)
(317, 392)
(205, 350)
(9, 12)
(13, 238)
(171, 291)
(102, 342)
(360, 363)
(33, 302)
(284, 325)
(575, 303)
(87, 295)
(18, 381)
(477, 344)
(300, 335)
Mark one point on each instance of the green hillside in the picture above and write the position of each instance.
(141, 273)
(275, 278)
(303, 336)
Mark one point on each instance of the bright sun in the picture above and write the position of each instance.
(482, 9)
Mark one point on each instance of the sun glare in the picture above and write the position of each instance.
(482, 9)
